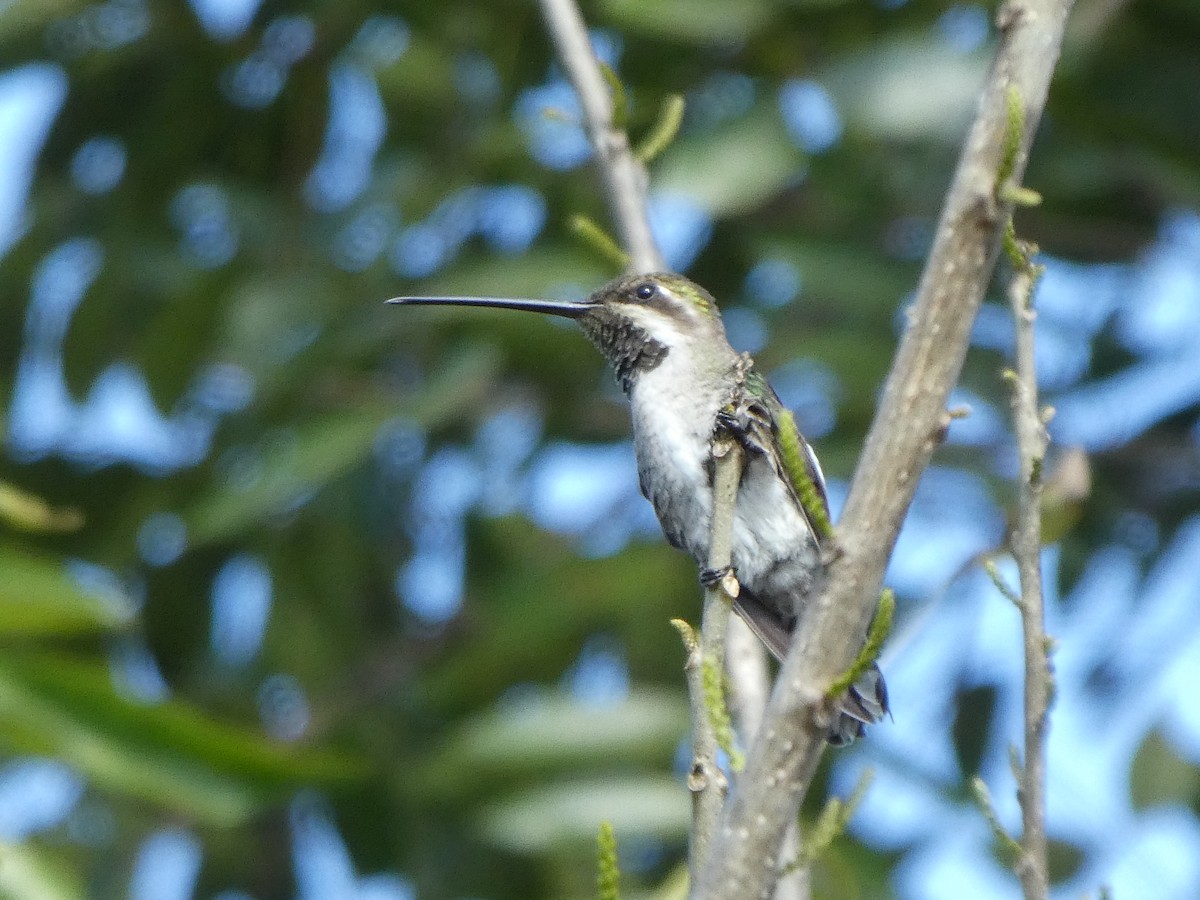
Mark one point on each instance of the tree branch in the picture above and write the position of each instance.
(1026, 545)
(625, 182)
(706, 781)
(906, 429)
(624, 176)
(749, 682)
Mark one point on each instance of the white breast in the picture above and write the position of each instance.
(774, 551)
(672, 426)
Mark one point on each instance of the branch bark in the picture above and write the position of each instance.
(623, 175)
(1026, 546)
(906, 429)
(706, 780)
(625, 183)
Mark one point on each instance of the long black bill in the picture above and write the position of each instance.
(571, 309)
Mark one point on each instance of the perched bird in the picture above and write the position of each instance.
(664, 337)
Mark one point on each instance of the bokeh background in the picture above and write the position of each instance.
(305, 596)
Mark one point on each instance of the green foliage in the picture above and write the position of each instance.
(608, 874)
(666, 127)
(620, 102)
(556, 814)
(599, 240)
(973, 713)
(171, 753)
(796, 465)
(715, 169)
(715, 683)
(25, 512)
(1158, 776)
(881, 625)
(1009, 847)
(1014, 134)
(830, 824)
(317, 452)
(557, 734)
(39, 598)
(30, 871)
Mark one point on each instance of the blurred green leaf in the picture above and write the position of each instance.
(34, 872)
(170, 753)
(846, 277)
(567, 813)
(316, 452)
(554, 731)
(690, 21)
(735, 169)
(20, 18)
(38, 596)
(1063, 860)
(908, 88)
(970, 729)
(248, 237)
(673, 887)
(28, 512)
(1161, 775)
(539, 601)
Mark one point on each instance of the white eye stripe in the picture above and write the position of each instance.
(664, 328)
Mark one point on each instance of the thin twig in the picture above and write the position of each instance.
(624, 176)
(1026, 544)
(1010, 850)
(706, 780)
(625, 182)
(744, 859)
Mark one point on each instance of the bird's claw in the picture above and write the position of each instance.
(726, 577)
(747, 423)
(735, 422)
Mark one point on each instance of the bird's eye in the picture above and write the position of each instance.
(644, 291)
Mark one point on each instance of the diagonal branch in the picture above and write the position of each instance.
(907, 428)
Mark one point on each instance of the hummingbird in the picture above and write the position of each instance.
(664, 338)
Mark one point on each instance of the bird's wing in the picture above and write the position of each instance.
(769, 428)
(766, 624)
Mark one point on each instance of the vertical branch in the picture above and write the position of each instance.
(625, 184)
(745, 655)
(624, 176)
(706, 781)
(1026, 545)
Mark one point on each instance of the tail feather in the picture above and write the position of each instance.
(864, 703)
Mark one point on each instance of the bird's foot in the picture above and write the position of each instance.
(735, 422)
(725, 577)
(709, 577)
(747, 423)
